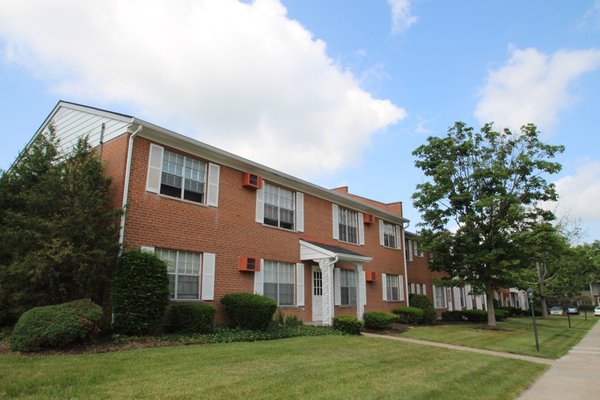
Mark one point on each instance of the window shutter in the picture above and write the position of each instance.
(361, 229)
(337, 284)
(401, 288)
(363, 286)
(212, 195)
(258, 279)
(147, 249)
(208, 276)
(424, 287)
(300, 285)
(410, 250)
(300, 212)
(336, 224)
(260, 206)
(399, 237)
(381, 239)
(155, 159)
(412, 288)
(435, 296)
(456, 292)
(384, 286)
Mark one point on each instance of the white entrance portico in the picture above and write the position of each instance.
(323, 288)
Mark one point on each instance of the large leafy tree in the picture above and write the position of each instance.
(58, 240)
(482, 192)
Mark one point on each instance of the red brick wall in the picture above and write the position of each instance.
(230, 231)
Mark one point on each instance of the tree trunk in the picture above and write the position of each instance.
(541, 275)
(490, 308)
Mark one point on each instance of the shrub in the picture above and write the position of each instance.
(424, 303)
(249, 311)
(292, 320)
(409, 315)
(347, 324)
(501, 315)
(56, 326)
(475, 315)
(140, 293)
(190, 317)
(452, 316)
(379, 320)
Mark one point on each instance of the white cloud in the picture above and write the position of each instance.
(402, 19)
(240, 76)
(579, 193)
(533, 87)
(592, 17)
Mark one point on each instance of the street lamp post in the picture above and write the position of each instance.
(535, 331)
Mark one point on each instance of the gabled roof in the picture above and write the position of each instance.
(310, 250)
(124, 123)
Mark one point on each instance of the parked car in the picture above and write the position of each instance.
(573, 310)
(597, 311)
(557, 310)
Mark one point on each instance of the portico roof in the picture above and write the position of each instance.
(312, 250)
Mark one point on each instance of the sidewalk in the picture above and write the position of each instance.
(574, 376)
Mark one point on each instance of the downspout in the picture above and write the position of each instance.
(126, 186)
(403, 239)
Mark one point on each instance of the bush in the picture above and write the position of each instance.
(501, 315)
(56, 326)
(409, 315)
(379, 320)
(249, 311)
(190, 317)
(347, 324)
(424, 303)
(452, 316)
(140, 293)
(475, 315)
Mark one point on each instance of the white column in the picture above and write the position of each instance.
(360, 300)
(326, 265)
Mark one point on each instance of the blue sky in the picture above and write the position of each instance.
(336, 92)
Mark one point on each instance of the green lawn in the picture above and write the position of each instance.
(328, 367)
(554, 334)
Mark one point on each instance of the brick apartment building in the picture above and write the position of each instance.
(226, 224)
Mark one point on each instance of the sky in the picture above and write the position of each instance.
(336, 92)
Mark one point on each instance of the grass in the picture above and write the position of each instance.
(516, 337)
(327, 367)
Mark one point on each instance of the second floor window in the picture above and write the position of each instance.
(390, 238)
(279, 207)
(348, 225)
(182, 177)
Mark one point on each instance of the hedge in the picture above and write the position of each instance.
(379, 320)
(189, 317)
(472, 315)
(140, 293)
(424, 303)
(56, 326)
(249, 311)
(347, 324)
(409, 315)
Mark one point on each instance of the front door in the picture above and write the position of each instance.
(317, 294)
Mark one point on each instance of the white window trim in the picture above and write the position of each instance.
(397, 235)
(298, 204)
(384, 279)
(206, 274)
(360, 225)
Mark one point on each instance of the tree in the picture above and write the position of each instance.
(484, 188)
(59, 240)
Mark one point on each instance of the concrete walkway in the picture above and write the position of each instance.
(575, 376)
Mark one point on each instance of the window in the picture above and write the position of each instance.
(418, 251)
(407, 249)
(279, 282)
(347, 287)
(183, 269)
(279, 207)
(390, 238)
(348, 225)
(439, 296)
(389, 235)
(394, 288)
(182, 177)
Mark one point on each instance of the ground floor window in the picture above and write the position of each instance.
(394, 287)
(347, 287)
(279, 282)
(439, 297)
(183, 269)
